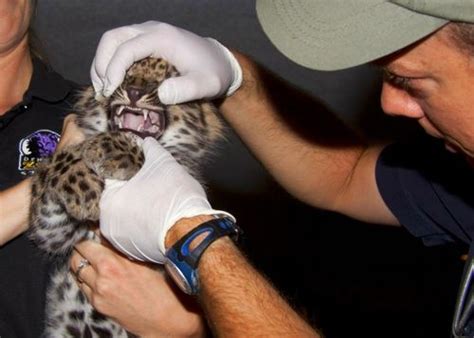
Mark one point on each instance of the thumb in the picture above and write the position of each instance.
(114, 184)
(97, 82)
(152, 149)
(111, 187)
(155, 156)
(189, 87)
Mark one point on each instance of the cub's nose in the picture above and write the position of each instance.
(134, 94)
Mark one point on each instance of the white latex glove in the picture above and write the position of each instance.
(136, 214)
(207, 68)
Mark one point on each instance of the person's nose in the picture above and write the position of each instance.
(398, 102)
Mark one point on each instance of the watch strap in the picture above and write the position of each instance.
(187, 259)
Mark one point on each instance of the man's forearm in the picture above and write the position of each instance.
(239, 301)
(14, 209)
(290, 132)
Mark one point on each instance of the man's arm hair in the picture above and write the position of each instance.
(237, 300)
(305, 146)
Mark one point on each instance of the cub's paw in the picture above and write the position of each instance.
(113, 155)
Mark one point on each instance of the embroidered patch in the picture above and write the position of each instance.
(36, 147)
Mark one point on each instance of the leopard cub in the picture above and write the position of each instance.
(66, 189)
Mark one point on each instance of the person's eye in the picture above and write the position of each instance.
(396, 80)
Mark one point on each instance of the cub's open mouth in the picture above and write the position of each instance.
(143, 122)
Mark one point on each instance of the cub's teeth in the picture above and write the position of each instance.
(119, 111)
(140, 127)
(118, 122)
(146, 114)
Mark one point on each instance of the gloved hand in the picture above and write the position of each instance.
(136, 214)
(208, 69)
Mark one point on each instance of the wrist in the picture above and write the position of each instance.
(182, 227)
(184, 255)
(250, 78)
(236, 77)
(251, 94)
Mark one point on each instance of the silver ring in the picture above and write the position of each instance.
(82, 264)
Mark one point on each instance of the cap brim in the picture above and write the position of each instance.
(337, 34)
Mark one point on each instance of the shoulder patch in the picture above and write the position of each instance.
(34, 148)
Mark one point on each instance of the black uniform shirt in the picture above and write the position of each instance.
(28, 133)
(429, 190)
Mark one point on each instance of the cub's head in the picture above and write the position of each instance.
(187, 130)
(134, 106)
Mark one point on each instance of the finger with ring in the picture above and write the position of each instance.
(82, 264)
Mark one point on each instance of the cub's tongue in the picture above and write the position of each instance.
(132, 121)
(142, 121)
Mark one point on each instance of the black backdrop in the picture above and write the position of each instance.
(349, 278)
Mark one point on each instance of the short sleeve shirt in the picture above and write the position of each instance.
(429, 190)
(29, 132)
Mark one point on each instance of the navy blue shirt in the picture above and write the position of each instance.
(28, 133)
(429, 190)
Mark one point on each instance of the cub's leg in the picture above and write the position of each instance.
(64, 201)
(113, 155)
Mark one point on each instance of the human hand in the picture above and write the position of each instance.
(207, 68)
(136, 215)
(71, 133)
(138, 297)
(15, 201)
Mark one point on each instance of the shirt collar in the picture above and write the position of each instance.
(46, 84)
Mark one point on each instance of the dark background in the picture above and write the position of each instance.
(348, 278)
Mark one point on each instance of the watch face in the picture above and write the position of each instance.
(178, 277)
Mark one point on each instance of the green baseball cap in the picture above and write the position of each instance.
(337, 34)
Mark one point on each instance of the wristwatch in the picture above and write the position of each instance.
(181, 263)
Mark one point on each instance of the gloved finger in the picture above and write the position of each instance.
(107, 203)
(126, 248)
(237, 77)
(157, 258)
(153, 150)
(126, 54)
(108, 44)
(188, 87)
(97, 82)
(112, 188)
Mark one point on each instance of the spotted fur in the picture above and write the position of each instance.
(66, 189)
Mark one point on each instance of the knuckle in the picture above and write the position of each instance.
(110, 34)
(123, 50)
(108, 267)
(103, 288)
(105, 267)
(167, 30)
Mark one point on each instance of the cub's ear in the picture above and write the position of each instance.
(91, 113)
(85, 97)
